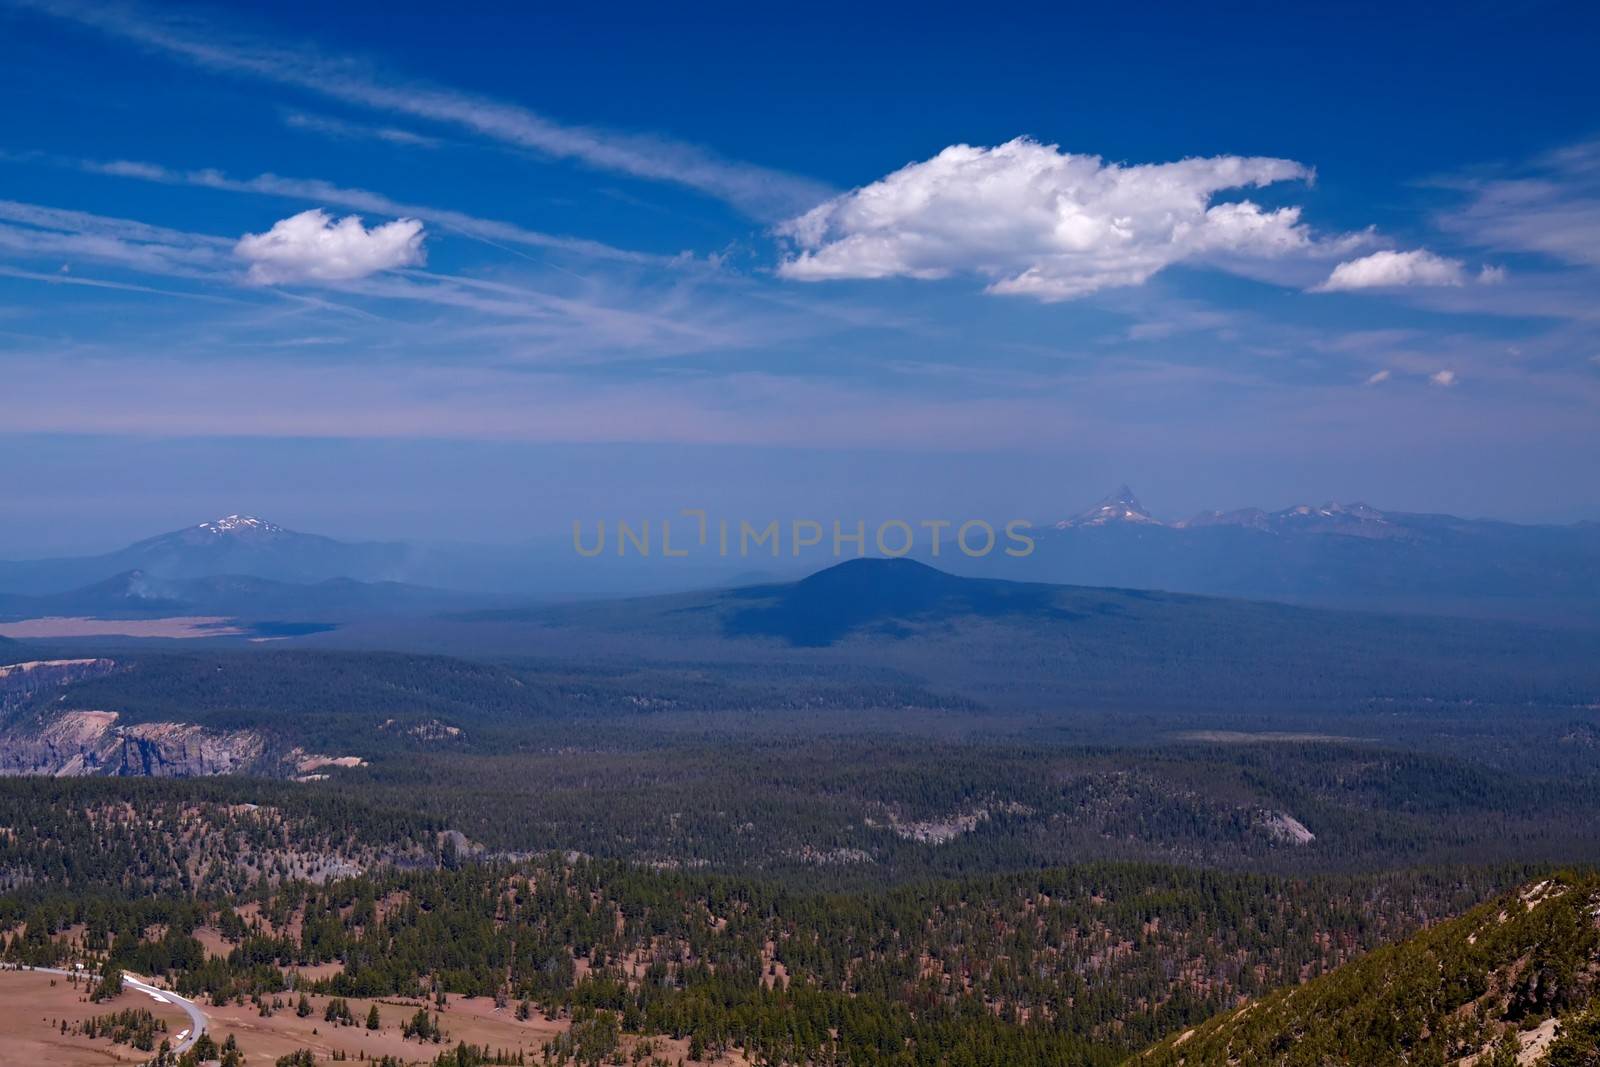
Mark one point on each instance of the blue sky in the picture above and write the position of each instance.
(812, 261)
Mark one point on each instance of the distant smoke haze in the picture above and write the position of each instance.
(77, 496)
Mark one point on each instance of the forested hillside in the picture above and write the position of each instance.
(1513, 981)
(832, 777)
(1077, 965)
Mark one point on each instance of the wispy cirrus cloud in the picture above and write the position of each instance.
(530, 317)
(758, 191)
(34, 231)
(65, 219)
(514, 323)
(328, 126)
(60, 278)
(131, 394)
(1549, 207)
(318, 191)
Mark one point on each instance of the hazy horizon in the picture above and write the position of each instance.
(390, 503)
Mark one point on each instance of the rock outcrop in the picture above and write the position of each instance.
(94, 743)
(19, 682)
(40, 737)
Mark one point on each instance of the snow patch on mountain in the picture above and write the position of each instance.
(1120, 507)
(232, 524)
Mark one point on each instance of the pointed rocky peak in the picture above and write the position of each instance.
(1123, 496)
(1120, 507)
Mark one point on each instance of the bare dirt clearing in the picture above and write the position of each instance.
(476, 1022)
(34, 1005)
(177, 626)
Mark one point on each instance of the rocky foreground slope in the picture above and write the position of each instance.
(1515, 981)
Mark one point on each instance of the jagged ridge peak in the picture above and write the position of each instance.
(1334, 509)
(1355, 519)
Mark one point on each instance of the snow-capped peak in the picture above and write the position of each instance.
(1121, 506)
(231, 524)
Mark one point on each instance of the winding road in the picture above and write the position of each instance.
(197, 1018)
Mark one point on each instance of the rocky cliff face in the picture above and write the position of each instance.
(93, 742)
(39, 738)
(21, 681)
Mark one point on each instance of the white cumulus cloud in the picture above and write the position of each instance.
(312, 246)
(1041, 222)
(1390, 269)
(1379, 377)
(1445, 378)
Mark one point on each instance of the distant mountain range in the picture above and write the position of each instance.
(1122, 508)
(1337, 555)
